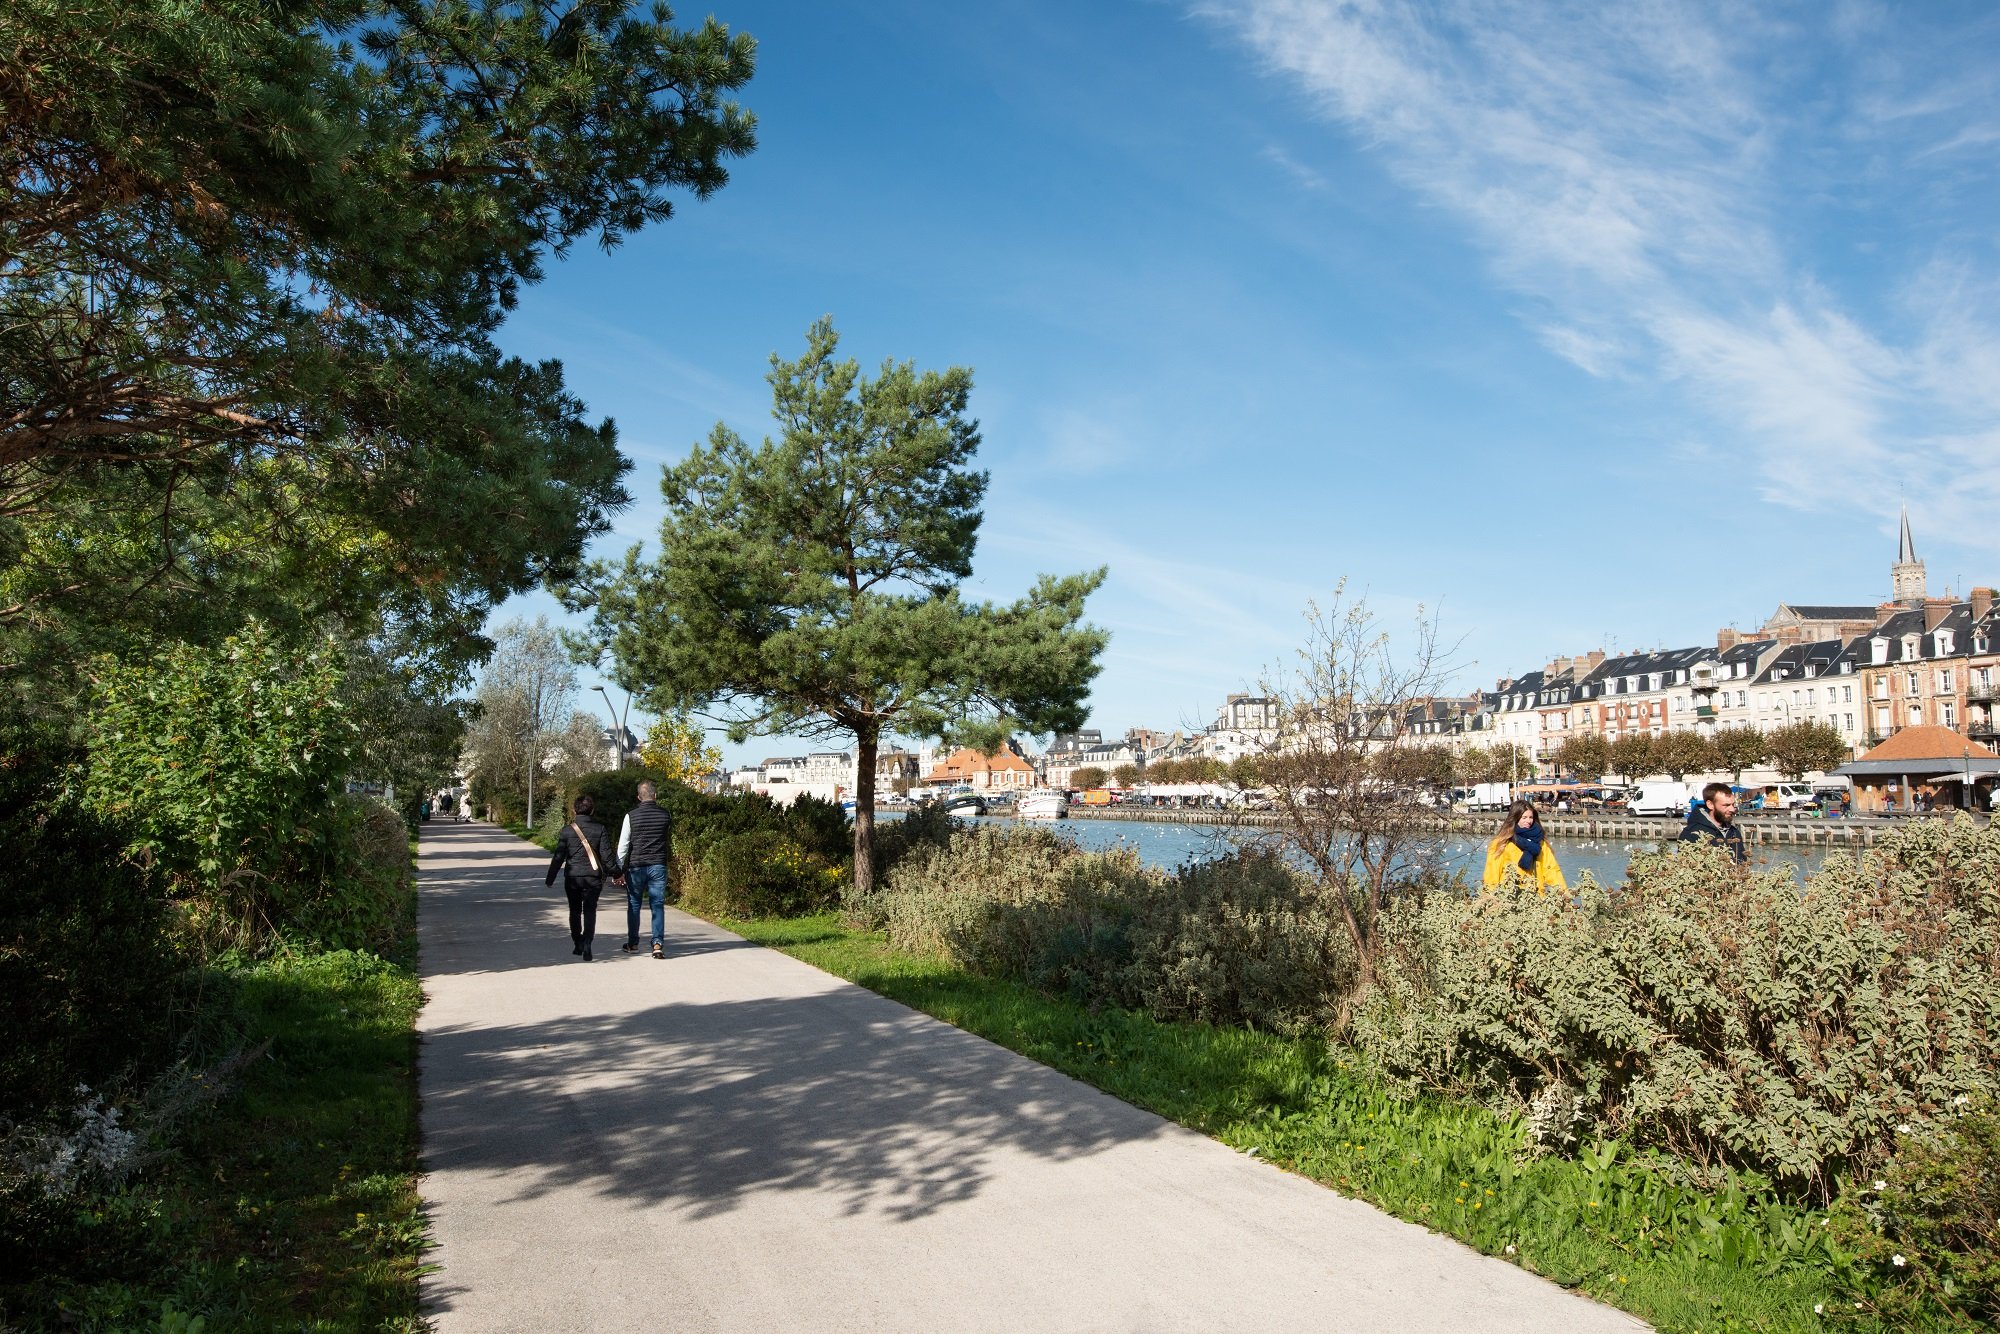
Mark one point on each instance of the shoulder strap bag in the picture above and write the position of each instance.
(588, 851)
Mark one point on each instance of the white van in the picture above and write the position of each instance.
(1664, 797)
(1788, 796)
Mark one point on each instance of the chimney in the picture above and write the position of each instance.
(1726, 639)
(1982, 603)
(1935, 610)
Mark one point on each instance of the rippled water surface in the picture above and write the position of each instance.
(1168, 845)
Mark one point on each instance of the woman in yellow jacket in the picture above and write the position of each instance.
(1519, 849)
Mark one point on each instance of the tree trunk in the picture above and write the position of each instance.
(866, 739)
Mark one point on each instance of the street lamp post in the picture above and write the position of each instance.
(617, 722)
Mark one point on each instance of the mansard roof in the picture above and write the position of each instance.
(1900, 625)
(1822, 656)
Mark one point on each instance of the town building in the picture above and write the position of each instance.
(1006, 771)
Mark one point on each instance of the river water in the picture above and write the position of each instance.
(1167, 845)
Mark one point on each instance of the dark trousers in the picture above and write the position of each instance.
(582, 906)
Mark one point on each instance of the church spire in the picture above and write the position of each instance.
(1906, 576)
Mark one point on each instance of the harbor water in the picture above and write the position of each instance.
(1169, 844)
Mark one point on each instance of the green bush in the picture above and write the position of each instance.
(225, 762)
(1241, 939)
(1925, 1231)
(1731, 1019)
(758, 873)
(354, 898)
(1017, 901)
(925, 825)
(93, 986)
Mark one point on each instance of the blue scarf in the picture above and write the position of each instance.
(1529, 841)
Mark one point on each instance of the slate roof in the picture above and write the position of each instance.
(1823, 656)
(1911, 622)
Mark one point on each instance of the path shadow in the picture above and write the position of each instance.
(699, 1105)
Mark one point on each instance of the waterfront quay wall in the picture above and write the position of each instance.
(1862, 832)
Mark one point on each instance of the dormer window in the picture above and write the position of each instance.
(1943, 640)
(1812, 669)
(1909, 647)
(1880, 649)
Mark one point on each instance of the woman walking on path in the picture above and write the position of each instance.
(1519, 848)
(586, 858)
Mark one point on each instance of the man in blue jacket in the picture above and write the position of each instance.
(1714, 821)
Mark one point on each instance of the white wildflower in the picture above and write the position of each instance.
(1510, 1248)
(1881, 1185)
(1819, 1308)
(1898, 1260)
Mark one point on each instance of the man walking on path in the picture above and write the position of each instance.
(1714, 821)
(643, 847)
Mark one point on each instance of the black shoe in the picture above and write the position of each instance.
(586, 952)
(630, 947)
(576, 944)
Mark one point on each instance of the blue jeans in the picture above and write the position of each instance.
(646, 880)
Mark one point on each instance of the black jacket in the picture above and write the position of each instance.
(574, 862)
(652, 832)
(1701, 829)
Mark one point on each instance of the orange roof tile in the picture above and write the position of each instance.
(1926, 742)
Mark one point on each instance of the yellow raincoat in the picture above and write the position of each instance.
(1503, 866)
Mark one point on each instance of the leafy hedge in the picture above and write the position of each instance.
(91, 976)
(1730, 1018)
(1237, 940)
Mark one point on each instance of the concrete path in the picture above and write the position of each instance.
(731, 1140)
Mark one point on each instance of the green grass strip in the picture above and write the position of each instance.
(292, 1204)
(1602, 1223)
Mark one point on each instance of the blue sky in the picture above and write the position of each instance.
(1589, 326)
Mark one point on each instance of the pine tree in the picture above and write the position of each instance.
(810, 584)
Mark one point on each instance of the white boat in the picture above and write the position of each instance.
(1042, 805)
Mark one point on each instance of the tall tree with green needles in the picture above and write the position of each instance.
(252, 258)
(810, 584)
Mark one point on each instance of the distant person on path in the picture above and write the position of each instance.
(1714, 821)
(585, 857)
(1520, 847)
(644, 847)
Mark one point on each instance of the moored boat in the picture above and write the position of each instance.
(1042, 805)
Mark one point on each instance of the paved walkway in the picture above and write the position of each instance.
(731, 1140)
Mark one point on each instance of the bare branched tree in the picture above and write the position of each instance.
(1340, 765)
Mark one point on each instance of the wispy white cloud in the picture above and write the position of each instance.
(1639, 171)
(1302, 175)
